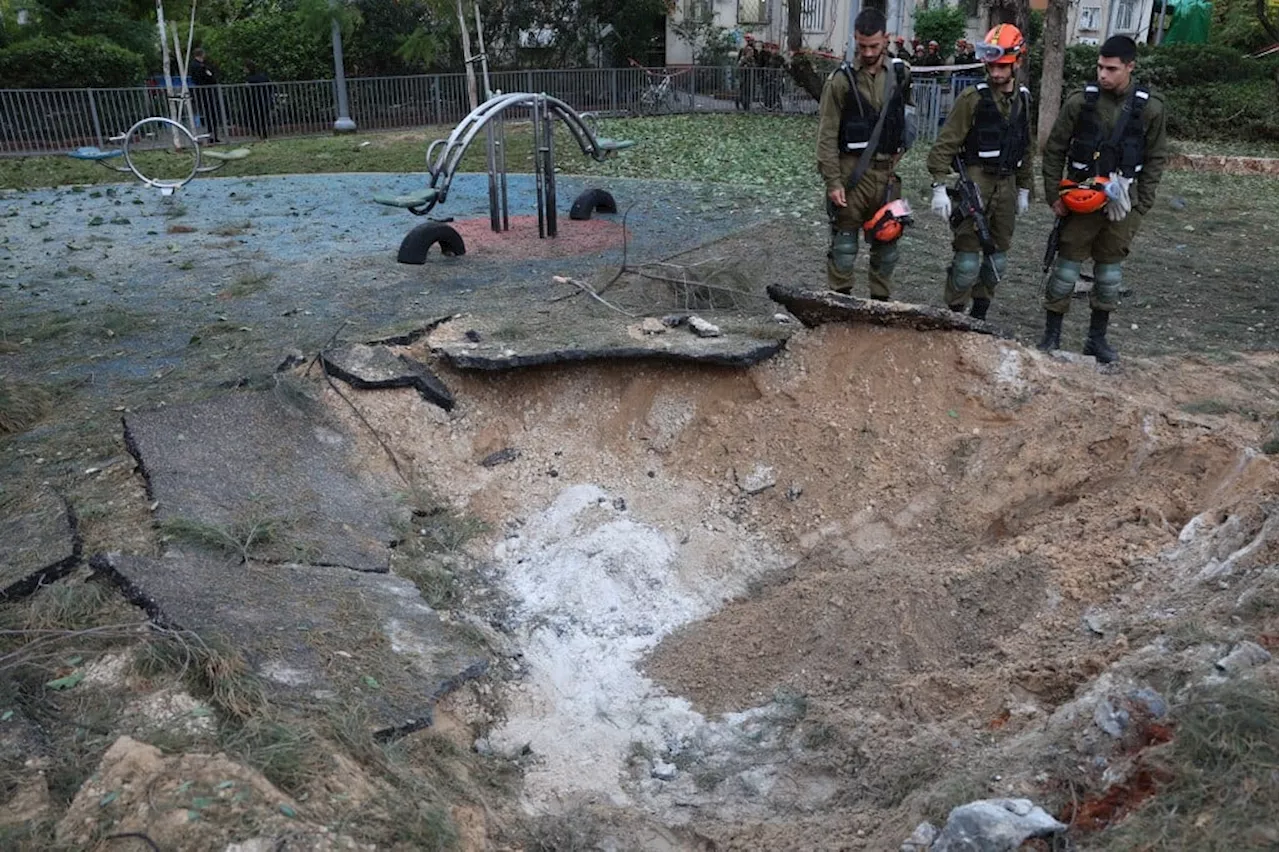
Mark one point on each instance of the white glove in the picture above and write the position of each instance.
(1024, 201)
(1118, 202)
(941, 202)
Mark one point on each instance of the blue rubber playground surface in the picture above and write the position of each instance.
(111, 284)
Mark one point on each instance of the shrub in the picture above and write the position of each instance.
(1245, 110)
(276, 41)
(943, 24)
(70, 62)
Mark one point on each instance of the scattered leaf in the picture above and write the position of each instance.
(65, 682)
(288, 811)
(108, 798)
(6, 716)
(371, 682)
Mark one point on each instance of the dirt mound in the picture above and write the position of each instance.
(778, 603)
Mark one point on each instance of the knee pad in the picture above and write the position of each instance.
(964, 270)
(844, 251)
(1106, 282)
(884, 257)
(998, 260)
(1062, 282)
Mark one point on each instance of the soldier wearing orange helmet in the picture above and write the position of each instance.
(1110, 140)
(989, 127)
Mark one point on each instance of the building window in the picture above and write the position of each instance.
(1126, 15)
(753, 11)
(813, 16)
(1089, 16)
(699, 11)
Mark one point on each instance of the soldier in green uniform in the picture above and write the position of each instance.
(1110, 139)
(873, 92)
(990, 128)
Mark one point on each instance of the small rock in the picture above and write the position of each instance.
(502, 456)
(702, 328)
(1111, 719)
(652, 325)
(760, 478)
(994, 825)
(1245, 655)
(472, 335)
(1149, 701)
(620, 504)
(674, 320)
(663, 771)
(921, 839)
(1096, 621)
(1177, 202)
(786, 319)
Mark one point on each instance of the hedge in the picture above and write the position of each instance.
(70, 62)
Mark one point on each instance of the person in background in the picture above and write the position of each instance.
(747, 74)
(204, 80)
(261, 98)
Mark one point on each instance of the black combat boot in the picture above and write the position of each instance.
(979, 309)
(1096, 343)
(957, 308)
(1052, 332)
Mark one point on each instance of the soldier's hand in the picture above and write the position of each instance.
(1024, 201)
(941, 203)
(1060, 208)
(837, 196)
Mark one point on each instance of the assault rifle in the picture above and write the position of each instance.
(967, 204)
(1051, 247)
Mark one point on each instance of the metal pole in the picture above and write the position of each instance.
(537, 166)
(344, 124)
(549, 179)
(1164, 4)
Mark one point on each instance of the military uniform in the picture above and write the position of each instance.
(995, 151)
(837, 162)
(1080, 146)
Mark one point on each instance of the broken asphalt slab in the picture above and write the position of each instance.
(267, 466)
(816, 307)
(39, 540)
(377, 367)
(475, 342)
(312, 633)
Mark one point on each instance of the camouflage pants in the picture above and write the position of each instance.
(861, 202)
(1000, 198)
(1093, 236)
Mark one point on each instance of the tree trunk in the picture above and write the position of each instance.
(1055, 49)
(1264, 17)
(799, 66)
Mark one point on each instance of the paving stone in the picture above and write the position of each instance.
(377, 367)
(816, 307)
(39, 540)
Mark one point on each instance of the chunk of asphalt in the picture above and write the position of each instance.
(39, 541)
(311, 633)
(503, 456)
(376, 368)
(816, 307)
(258, 460)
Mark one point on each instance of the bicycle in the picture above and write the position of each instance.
(660, 95)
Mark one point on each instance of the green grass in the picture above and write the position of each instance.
(773, 151)
(1222, 790)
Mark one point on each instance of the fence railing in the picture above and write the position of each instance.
(48, 121)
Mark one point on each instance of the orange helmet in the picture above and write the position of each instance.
(1002, 46)
(886, 224)
(1088, 196)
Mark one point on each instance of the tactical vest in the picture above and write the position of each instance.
(859, 117)
(1093, 151)
(996, 143)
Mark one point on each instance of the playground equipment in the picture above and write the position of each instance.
(444, 155)
(183, 137)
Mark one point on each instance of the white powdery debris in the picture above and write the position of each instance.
(598, 591)
(1009, 371)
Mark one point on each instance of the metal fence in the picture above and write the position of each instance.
(46, 121)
